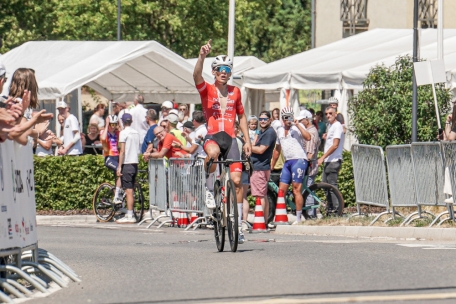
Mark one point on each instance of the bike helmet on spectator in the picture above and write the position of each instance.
(222, 60)
(113, 119)
(333, 100)
(287, 111)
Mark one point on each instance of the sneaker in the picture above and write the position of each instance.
(244, 227)
(126, 220)
(241, 239)
(296, 223)
(271, 226)
(117, 200)
(210, 201)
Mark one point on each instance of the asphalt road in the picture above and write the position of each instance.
(135, 265)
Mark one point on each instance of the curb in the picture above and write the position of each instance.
(65, 219)
(434, 234)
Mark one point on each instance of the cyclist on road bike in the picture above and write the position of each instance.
(221, 104)
(290, 140)
(109, 138)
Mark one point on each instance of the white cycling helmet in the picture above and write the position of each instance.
(222, 60)
(333, 100)
(287, 111)
(113, 119)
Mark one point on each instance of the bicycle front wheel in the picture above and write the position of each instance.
(326, 196)
(232, 216)
(219, 230)
(103, 202)
(138, 205)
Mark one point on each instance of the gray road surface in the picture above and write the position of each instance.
(135, 265)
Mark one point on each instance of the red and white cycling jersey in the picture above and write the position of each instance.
(216, 121)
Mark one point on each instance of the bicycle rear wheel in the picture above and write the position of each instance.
(326, 196)
(103, 202)
(219, 230)
(232, 216)
(138, 205)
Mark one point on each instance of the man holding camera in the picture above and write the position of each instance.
(290, 140)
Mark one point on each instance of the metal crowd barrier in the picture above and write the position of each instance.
(187, 191)
(429, 177)
(370, 177)
(401, 177)
(157, 191)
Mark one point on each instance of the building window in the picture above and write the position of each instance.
(427, 13)
(353, 14)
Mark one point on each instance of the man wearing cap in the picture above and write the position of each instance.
(332, 157)
(165, 108)
(334, 103)
(189, 134)
(128, 164)
(173, 121)
(72, 144)
(138, 113)
(261, 157)
(311, 146)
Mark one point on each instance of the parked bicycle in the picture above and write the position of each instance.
(320, 192)
(226, 214)
(103, 201)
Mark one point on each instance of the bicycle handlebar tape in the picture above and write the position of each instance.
(281, 217)
(259, 225)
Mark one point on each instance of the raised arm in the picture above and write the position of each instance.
(198, 72)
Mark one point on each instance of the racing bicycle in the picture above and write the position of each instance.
(103, 201)
(226, 215)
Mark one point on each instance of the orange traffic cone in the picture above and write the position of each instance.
(183, 219)
(258, 222)
(194, 214)
(281, 217)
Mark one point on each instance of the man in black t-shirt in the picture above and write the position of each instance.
(261, 157)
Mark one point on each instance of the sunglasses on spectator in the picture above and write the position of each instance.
(263, 119)
(330, 114)
(182, 109)
(113, 124)
(223, 68)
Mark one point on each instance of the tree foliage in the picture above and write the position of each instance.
(268, 29)
(381, 114)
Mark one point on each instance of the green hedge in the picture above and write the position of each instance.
(68, 183)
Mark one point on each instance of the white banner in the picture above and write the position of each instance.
(17, 196)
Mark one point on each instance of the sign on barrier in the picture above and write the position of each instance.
(401, 176)
(370, 175)
(429, 173)
(17, 192)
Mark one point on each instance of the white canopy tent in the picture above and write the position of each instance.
(116, 69)
(344, 64)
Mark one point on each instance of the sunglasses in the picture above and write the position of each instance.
(223, 68)
(287, 117)
(328, 114)
(263, 119)
(182, 109)
(113, 124)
